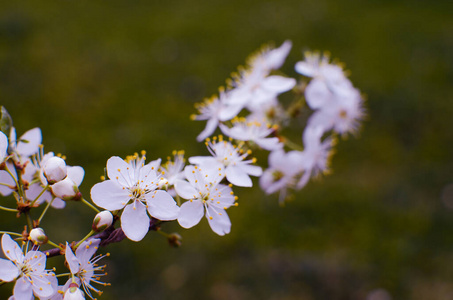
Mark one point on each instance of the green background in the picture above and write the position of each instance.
(103, 78)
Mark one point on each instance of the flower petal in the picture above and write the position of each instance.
(109, 195)
(12, 249)
(33, 138)
(218, 220)
(278, 84)
(190, 213)
(135, 221)
(211, 126)
(185, 190)
(8, 270)
(23, 289)
(162, 206)
(120, 171)
(86, 250)
(76, 174)
(41, 284)
(71, 259)
(237, 176)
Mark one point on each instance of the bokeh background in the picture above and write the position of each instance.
(103, 78)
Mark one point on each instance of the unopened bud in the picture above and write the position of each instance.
(66, 189)
(74, 293)
(175, 240)
(37, 236)
(102, 221)
(55, 169)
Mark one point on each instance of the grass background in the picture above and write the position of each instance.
(103, 78)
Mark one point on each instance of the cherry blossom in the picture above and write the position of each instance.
(206, 197)
(28, 270)
(134, 186)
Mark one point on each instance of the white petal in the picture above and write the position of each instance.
(202, 160)
(278, 84)
(5, 178)
(317, 94)
(36, 260)
(211, 126)
(305, 69)
(276, 57)
(87, 249)
(185, 189)
(269, 144)
(237, 176)
(121, 171)
(41, 284)
(3, 146)
(252, 170)
(8, 270)
(109, 195)
(72, 260)
(190, 213)
(162, 206)
(12, 249)
(135, 221)
(22, 289)
(58, 203)
(33, 138)
(219, 221)
(76, 173)
(228, 112)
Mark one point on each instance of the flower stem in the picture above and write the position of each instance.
(45, 210)
(40, 194)
(29, 222)
(11, 233)
(8, 209)
(55, 245)
(91, 205)
(84, 239)
(64, 274)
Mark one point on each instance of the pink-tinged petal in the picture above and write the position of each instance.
(162, 206)
(87, 249)
(8, 270)
(71, 259)
(3, 146)
(317, 94)
(190, 213)
(109, 195)
(185, 190)
(76, 174)
(135, 221)
(278, 84)
(218, 220)
(58, 203)
(41, 285)
(252, 170)
(36, 260)
(237, 176)
(211, 126)
(5, 178)
(33, 138)
(120, 171)
(23, 289)
(269, 144)
(12, 249)
(305, 69)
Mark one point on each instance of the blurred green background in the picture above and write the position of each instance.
(103, 78)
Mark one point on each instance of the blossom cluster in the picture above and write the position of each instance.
(142, 195)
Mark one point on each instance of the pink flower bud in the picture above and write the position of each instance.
(55, 169)
(66, 189)
(37, 236)
(102, 221)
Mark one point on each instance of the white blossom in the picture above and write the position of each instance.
(134, 186)
(55, 169)
(3, 146)
(28, 270)
(206, 197)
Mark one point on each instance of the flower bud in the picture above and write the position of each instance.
(55, 169)
(37, 236)
(175, 240)
(74, 293)
(66, 189)
(102, 221)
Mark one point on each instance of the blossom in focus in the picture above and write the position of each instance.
(55, 169)
(232, 158)
(27, 144)
(134, 186)
(173, 170)
(84, 266)
(206, 197)
(28, 270)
